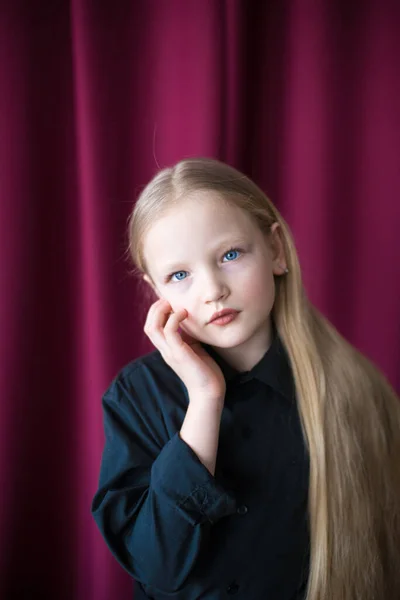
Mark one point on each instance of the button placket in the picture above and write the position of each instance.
(233, 588)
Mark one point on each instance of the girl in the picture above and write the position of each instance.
(255, 452)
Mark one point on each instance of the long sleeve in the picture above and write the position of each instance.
(156, 501)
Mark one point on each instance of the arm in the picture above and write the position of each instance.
(200, 430)
(155, 505)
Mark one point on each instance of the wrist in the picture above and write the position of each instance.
(206, 402)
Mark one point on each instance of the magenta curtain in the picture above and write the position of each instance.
(94, 95)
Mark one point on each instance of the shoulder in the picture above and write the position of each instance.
(146, 399)
(147, 377)
(142, 366)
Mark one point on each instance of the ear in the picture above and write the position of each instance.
(279, 263)
(149, 281)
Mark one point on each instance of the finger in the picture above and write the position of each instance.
(155, 323)
(150, 313)
(153, 312)
(174, 319)
(171, 333)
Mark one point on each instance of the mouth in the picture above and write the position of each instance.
(223, 317)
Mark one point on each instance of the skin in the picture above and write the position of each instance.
(207, 277)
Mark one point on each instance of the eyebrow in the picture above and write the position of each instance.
(177, 265)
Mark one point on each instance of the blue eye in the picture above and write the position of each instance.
(176, 275)
(232, 254)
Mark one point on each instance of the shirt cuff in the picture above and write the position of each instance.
(178, 474)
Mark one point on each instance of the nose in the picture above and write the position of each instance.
(213, 287)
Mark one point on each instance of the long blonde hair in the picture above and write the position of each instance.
(350, 414)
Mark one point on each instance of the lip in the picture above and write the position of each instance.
(223, 313)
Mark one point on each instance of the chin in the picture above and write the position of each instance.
(229, 340)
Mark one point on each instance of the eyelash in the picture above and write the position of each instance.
(238, 250)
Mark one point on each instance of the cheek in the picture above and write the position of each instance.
(260, 295)
(267, 292)
(172, 299)
(258, 288)
(177, 303)
(185, 327)
(190, 328)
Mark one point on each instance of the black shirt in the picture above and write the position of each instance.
(182, 533)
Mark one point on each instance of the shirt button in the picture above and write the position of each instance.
(233, 588)
(242, 510)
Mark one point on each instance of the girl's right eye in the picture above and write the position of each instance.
(177, 274)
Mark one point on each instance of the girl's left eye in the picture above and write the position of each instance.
(232, 254)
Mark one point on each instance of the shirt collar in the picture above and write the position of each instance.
(273, 369)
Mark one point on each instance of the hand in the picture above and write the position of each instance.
(191, 362)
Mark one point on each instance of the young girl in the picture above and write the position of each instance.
(255, 453)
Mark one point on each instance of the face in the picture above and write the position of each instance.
(206, 255)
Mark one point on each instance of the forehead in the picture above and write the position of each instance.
(201, 216)
(201, 213)
(195, 224)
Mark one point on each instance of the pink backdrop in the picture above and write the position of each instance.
(301, 95)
